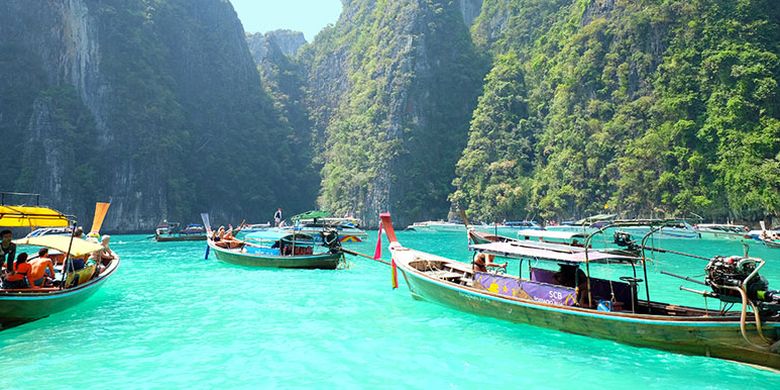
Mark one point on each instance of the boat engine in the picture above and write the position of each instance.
(331, 240)
(623, 239)
(725, 272)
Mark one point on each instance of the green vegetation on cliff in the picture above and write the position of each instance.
(493, 174)
(638, 107)
(409, 82)
(156, 104)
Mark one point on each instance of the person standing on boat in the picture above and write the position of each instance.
(7, 250)
(278, 217)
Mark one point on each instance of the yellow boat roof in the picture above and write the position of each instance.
(32, 217)
(80, 246)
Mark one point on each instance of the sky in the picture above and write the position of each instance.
(308, 16)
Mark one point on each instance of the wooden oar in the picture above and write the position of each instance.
(354, 253)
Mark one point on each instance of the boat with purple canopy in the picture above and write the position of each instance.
(572, 299)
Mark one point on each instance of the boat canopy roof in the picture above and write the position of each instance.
(32, 217)
(558, 253)
(332, 221)
(276, 235)
(556, 234)
(80, 247)
(596, 218)
(313, 214)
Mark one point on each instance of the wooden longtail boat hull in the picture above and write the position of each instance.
(21, 306)
(315, 261)
(184, 237)
(689, 335)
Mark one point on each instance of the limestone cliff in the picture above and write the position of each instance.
(157, 105)
(391, 97)
(283, 78)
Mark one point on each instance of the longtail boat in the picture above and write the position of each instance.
(315, 221)
(717, 231)
(171, 231)
(274, 249)
(577, 303)
(770, 238)
(478, 237)
(18, 306)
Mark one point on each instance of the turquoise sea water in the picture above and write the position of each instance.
(170, 319)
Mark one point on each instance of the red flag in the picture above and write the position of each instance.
(395, 274)
(378, 250)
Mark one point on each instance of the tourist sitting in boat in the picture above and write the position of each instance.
(7, 250)
(42, 270)
(572, 276)
(225, 239)
(106, 255)
(231, 233)
(484, 261)
(217, 235)
(19, 277)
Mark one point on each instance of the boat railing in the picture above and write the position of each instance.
(655, 226)
(3, 195)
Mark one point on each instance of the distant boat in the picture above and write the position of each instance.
(508, 228)
(254, 227)
(315, 221)
(715, 231)
(170, 231)
(49, 231)
(274, 249)
(680, 229)
(440, 226)
(769, 237)
(560, 237)
(522, 225)
(479, 237)
(608, 309)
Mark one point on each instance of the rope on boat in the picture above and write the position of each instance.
(758, 323)
(355, 253)
(743, 317)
